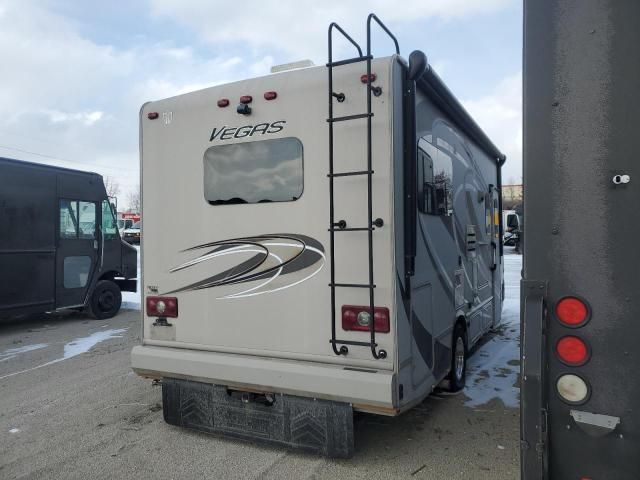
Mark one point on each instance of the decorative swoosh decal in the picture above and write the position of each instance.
(276, 255)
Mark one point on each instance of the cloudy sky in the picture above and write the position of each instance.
(74, 73)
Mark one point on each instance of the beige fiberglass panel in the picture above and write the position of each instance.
(253, 278)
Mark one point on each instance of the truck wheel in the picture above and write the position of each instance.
(105, 300)
(458, 373)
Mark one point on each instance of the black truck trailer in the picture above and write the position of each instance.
(581, 311)
(59, 242)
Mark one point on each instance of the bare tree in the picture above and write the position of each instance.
(133, 199)
(112, 186)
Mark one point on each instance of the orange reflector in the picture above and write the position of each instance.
(572, 311)
(572, 350)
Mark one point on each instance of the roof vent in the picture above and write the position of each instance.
(292, 66)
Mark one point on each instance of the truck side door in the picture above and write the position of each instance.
(78, 250)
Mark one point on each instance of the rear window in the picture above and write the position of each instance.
(254, 172)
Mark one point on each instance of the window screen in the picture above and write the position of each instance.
(254, 172)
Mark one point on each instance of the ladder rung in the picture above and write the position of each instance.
(352, 285)
(350, 229)
(351, 174)
(349, 117)
(352, 342)
(349, 60)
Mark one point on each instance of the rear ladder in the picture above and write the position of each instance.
(340, 346)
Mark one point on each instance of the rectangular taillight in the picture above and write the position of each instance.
(357, 317)
(162, 307)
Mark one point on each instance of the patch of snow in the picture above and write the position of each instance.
(14, 430)
(76, 347)
(14, 352)
(492, 372)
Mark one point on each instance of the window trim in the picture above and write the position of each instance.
(210, 202)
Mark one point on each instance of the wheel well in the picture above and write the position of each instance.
(110, 275)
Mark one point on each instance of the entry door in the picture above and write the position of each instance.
(77, 252)
(496, 258)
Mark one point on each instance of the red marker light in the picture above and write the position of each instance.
(572, 311)
(572, 351)
(152, 115)
(270, 95)
(223, 102)
(246, 99)
(373, 77)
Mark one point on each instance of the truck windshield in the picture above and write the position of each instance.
(254, 172)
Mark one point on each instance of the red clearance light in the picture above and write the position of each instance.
(572, 351)
(270, 95)
(355, 317)
(152, 115)
(162, 307)
(246, 99)
(572, 311)
(363, 78)
(223, 102)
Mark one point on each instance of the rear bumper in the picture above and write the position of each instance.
(368, 390)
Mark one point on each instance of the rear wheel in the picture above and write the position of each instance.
(105, 300)
(458, 373)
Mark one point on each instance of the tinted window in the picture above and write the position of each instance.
(254, 172)
(435, 180)
(76, 271)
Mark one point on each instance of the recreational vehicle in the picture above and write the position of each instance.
(59, 243)
(580, 391)
(342, 250)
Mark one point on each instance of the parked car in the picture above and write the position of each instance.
(132, 234)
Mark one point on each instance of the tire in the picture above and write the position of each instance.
(459, 354)
(106, 299)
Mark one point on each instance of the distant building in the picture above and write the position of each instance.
(511, 195)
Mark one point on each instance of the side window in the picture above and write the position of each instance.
(487, 214)
(68, 219)
(435, 180)
(109, 228)
(77, 219)
(87, 220)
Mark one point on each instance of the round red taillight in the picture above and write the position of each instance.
(246, 99)
(270, 95)
(572, 351)
(572, 311)
(223, 102)
(152, 115)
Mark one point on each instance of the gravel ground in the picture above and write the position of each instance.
(70, 408)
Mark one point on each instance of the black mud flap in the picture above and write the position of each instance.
(318, 426)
